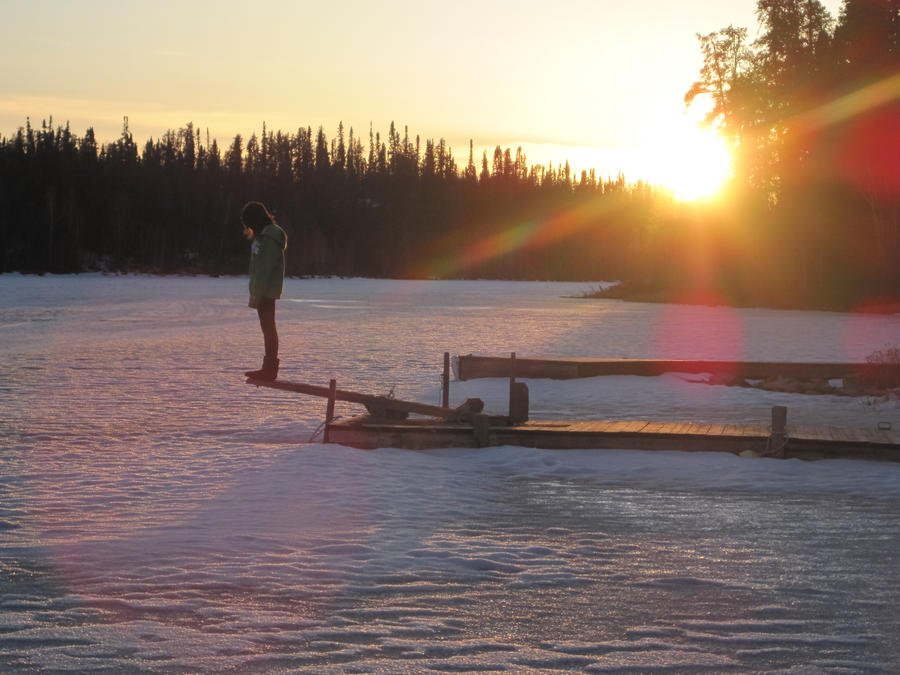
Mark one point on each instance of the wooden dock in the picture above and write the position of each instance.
(388, 425)
(470, 367)
(799, 442)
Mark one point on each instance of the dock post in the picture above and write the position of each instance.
(778, 436)
(518, 409)
(445, 382)
(329, 411)
(512, 381)
(481, 429)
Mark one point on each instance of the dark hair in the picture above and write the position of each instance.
(256, 216)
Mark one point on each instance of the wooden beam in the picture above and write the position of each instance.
(472, 367)
(377, 402)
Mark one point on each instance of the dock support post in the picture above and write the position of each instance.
(481, 429)
(445, 382)
(518, 395)
(329, 411)
(518, 409)
(778, 435)
(512, 381)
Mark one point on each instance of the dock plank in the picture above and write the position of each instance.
(733, 430)
(615, 427)
(655, 428)
(814, 434)
(877, 436)
(858, 435)
(839, 435)
(698, 428)
(600, 426)
(635, 427)
(584, 427)
(755, 431)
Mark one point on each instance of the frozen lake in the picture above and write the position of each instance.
(159, 515)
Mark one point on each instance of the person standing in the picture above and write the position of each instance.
(268, 242)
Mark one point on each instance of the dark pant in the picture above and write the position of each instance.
(266, 312)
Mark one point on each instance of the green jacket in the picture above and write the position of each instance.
(267, 264)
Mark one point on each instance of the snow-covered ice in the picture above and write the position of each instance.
(159, 515)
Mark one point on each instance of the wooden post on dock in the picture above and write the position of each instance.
(778, 435)
(329, 411)
(445, 382)
(512, 381)
(481, 430)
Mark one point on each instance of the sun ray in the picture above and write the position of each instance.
(530, 234)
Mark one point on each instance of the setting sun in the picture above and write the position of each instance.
(691, 161)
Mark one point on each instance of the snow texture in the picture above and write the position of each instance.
(157, 514)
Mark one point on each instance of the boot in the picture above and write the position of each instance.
(269, 370)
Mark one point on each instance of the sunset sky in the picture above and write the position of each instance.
(597, 82)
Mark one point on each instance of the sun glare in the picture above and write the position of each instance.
(691, 161)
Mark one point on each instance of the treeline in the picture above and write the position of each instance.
(391, 206)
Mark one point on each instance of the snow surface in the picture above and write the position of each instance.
(159, 515)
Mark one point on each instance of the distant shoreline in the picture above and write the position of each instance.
(632, 292)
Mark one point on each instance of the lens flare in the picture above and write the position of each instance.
(865, 149)
(530, 234)
(692, 331)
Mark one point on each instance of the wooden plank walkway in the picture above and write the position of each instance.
(802, 442)
(471, 367)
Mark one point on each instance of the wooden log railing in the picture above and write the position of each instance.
(472, 366)
(378, 406)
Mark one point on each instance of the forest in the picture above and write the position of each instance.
(810, 218)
